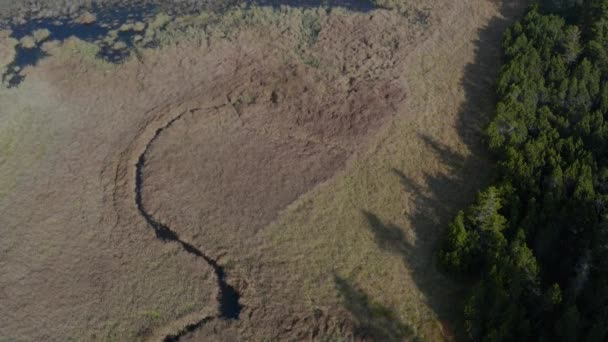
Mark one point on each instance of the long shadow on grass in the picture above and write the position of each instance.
(437, 197)
(375, 321)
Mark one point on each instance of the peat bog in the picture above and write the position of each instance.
(107, 19)
(110, 18)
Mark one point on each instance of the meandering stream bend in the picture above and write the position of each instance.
(108, 19)
(229, 306)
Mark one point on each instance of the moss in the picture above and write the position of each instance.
(50, 45)
(159, 21)
(125, 27)
(110, 38)
(86, 18)
(41, 35)
(27, 42)
(120, 45)
(87, 51)
(139, 26)
(248, 98)
(153, 314)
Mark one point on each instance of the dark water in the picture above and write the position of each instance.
(229, 305)
(63, 27)
(112, 17)
(108, 18)
(353, 5)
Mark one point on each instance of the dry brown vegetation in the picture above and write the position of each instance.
(315, 155)
(7, 49)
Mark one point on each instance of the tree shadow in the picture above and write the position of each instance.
(389, 237)
(375, 321)
(437, 197)
(479, 77)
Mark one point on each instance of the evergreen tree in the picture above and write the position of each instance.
(537, 241)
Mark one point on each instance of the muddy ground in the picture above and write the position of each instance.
(305, 158)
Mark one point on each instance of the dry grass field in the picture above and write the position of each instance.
(314, 155)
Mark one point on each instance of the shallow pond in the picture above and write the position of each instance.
(353, 5)
(106, 19)
(108, 22)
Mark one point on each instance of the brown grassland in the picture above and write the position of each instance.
(315, 155)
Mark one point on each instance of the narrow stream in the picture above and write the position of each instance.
(111, 19)
(229, 306)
